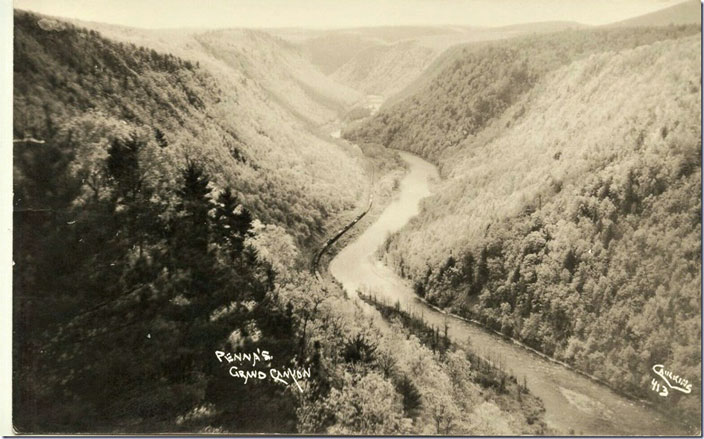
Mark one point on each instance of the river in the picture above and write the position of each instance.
(573, 403)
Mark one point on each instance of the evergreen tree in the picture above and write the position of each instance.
(160, 138)
(482, 275)
(194, 206)
(233, 220)
(468, 268)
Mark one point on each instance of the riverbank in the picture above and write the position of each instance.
(575, 404)
(385, 169)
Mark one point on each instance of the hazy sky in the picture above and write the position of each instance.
(340, 13)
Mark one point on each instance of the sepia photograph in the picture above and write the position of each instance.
(353, 217)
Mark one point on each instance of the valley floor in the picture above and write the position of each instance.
(573, 403)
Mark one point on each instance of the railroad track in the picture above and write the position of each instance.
(316, 259)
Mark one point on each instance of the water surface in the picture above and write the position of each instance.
(573, 403)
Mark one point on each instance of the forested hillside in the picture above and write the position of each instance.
(483, 81)
(163, 210)
(384, 69)
(329, 50)
(686, 12)
(251, 62)
(279, 68)
(137, 216)
(287, 175)
(125, 242)
(572, 187)
(384, 60)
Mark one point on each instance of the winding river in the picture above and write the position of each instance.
(574, 404)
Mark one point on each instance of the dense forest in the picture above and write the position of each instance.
(84, 82)
(150, 232)
(484, 80)
(571, 167)
(125, 247)
(383, 69)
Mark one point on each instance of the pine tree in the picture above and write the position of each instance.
(482, 275)
(124, 168)
(233, 220)
(468, 268)
(194, 205)
(160, 138)
(410, 394)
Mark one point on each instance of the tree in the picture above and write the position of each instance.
(482, 275)
(410, 394)
(194, 206)
(131, 195)
(442, 410)
(123, 166)
(359, 349)
(368, 406)
(234, 222)
(159, 135)
(468, 268)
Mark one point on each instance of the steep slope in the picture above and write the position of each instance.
(374, 60)
(281, 69)
(478, 82)
(383, 60)
(274, 67)
(572, 188)
(449, 50)
(384, 69)
(686, 12)
(140, 187)
(330, 50)
(288, 162)
(131, 241)
(141, 182)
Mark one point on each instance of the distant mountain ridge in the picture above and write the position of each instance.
(384, 60)
(687, 12)
(270, 63)
(563, 157)
(168, 187)
(266, 121)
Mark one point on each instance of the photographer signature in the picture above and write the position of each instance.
(673, 381)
